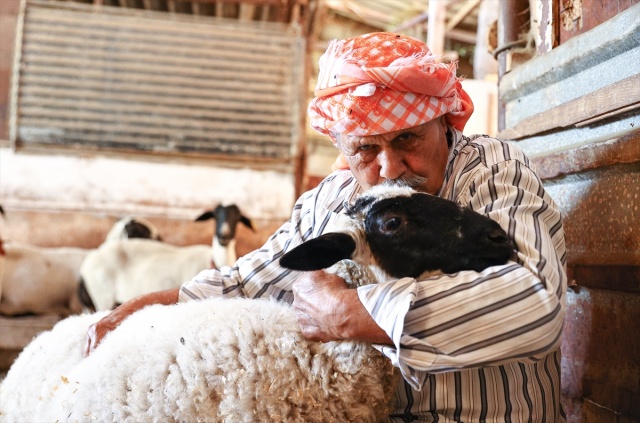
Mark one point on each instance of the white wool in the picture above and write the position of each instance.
(121, 270)
(29, 271)
(221, 255)
(234, 360)
(39, 370)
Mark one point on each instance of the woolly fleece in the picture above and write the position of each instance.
(215, 360)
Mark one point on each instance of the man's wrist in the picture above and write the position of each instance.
(355, 321)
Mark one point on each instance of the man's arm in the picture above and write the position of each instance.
(327, 310)
(101, 328)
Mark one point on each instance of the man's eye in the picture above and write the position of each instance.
(365, 147)
(405, 136)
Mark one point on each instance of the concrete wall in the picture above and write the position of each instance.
(73, 200)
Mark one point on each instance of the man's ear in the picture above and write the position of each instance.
(319, 253)
(443, 123)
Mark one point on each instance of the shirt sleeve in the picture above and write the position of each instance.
(471, 319)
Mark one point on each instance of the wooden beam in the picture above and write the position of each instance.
(616, 97)
(246, 12)
(436, 27)
(462, 13)
(461, 35)
(416, 20)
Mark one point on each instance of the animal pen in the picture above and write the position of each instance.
(166, 108)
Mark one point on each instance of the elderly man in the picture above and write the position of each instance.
(471, 346)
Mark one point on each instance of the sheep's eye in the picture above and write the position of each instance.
(391, 224)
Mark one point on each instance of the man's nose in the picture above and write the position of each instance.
(392, 165)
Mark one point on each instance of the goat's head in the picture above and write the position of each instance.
(227, 218)
(406, 233)
(133, 227)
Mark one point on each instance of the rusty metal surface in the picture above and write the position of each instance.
(601, 355)
(625, 149)
(601, 215)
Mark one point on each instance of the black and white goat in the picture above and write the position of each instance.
(223, 245)
(117, 272)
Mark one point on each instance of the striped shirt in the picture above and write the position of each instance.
(471, 346)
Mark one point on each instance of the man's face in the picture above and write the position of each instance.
(418, 154)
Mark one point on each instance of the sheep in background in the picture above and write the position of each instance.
(119, 271)
(244, 360)
(223, 245)
(130, 227)
(39, 280)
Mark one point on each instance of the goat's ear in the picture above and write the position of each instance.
(206, 216)
(319, 253)
(247, 222)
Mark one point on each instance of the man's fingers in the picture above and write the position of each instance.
(90, 343)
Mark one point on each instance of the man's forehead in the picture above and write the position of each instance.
(347, 139)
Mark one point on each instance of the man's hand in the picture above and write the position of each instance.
(98, 330)
(327, 310)
(317, 303)
(102, 327)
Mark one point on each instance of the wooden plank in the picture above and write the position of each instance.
(246, 12)
(125, 117)
(167, 25)
(246, 135)
(17, 332)
(159, 35)
(121, 99)
(158, 85)
(275, 94)
(268, 70)
(462, 13)
(142, 83)
(625, 149)
(144, 68)
(436, 27)
(615, 96)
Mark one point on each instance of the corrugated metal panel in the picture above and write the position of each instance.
(101, 78)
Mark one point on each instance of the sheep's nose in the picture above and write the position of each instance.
(498, 236)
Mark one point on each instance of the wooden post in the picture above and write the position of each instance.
(436, 27)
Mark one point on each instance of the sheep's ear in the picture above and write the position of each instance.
(247, 222)
(319, 253)
(206, 216)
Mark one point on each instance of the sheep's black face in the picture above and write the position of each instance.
(410, 235)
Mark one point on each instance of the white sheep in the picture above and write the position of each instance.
(239, 360)
(44, 280)
(119, 271)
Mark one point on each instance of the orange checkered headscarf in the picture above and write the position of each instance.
(384, 82)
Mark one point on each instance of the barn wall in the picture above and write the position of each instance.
(561, 110)
(72, 197)
(64, 200)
